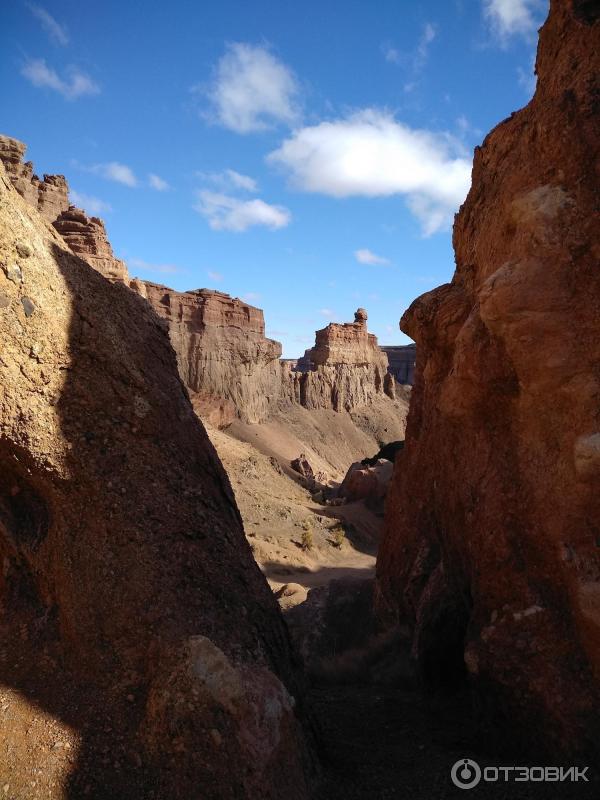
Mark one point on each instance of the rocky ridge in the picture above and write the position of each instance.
(491, 543)
(49, 196)
(85, 236)
(231, 369)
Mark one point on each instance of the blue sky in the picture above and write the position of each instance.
(306, 156)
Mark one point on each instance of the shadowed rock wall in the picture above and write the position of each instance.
(492, 537)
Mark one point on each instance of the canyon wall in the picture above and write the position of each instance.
(492, 541)
(229, 366)
(131, 608)
(344, 370)
(232, 371)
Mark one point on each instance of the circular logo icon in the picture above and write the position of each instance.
(466, 773)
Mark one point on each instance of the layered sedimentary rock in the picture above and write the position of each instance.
(86, 237)
(130, 604)
(492, 541)
(225, 360)
(345, 369)
(49, 196)
(401, 362)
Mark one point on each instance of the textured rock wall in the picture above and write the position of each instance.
(125, 571)
(344, 370)
(86, 237)
(492, 540)
(224, 358)
(49, 196)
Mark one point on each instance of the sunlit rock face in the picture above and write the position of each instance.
(225, 360)
(49, 195)
(492, 540)
(86, 237)
(344, 370)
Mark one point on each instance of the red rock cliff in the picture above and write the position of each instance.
(224, 358)
(130, 604)
(492, 541)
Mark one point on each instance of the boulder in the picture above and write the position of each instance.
(366, 483)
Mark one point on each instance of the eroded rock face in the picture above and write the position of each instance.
(49, 196)
(222, 351)
(125, 573)
(492, 536)
(345, 369)
(86, 237)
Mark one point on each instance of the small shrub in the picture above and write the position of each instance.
(338, 535)
(307, 537)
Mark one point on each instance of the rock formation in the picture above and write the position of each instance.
(224, 358)
(130, 604)
(49, 196)
(86, 237)
(401, 362)
(345, 369)
(230, 368)
(492, 537)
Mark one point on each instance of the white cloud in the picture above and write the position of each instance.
(77, 83)
(252, 89)
(391, 54)
(215, 276)
(156, 182)
(114, 171)
(426, 38)
(164, 269)
(414, 59)
(89, 203)
(251, 297)
(365, 256)
(241, 181)
(371, 154)
(229, 178)
(327, 312)
(513, 17)
(56, 31)
(227, 213)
